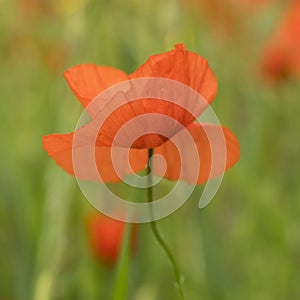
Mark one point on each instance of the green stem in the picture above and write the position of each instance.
(120, 290)
(158, 235)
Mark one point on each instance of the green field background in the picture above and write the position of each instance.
(244, 245)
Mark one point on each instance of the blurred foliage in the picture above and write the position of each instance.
(244, 245)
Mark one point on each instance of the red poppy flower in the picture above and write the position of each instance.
(180, 65)
(281, 56)
(106, 236)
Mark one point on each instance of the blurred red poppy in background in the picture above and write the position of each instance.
(281, 57)
(106, 237)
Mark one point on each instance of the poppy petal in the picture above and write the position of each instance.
(208, 139)
(88, 80)
(150, 128)
(59, 147)
(149, 122)
(183, 66)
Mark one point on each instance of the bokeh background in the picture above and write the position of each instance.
(244, 245)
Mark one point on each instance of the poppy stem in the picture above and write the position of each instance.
(158, 236)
